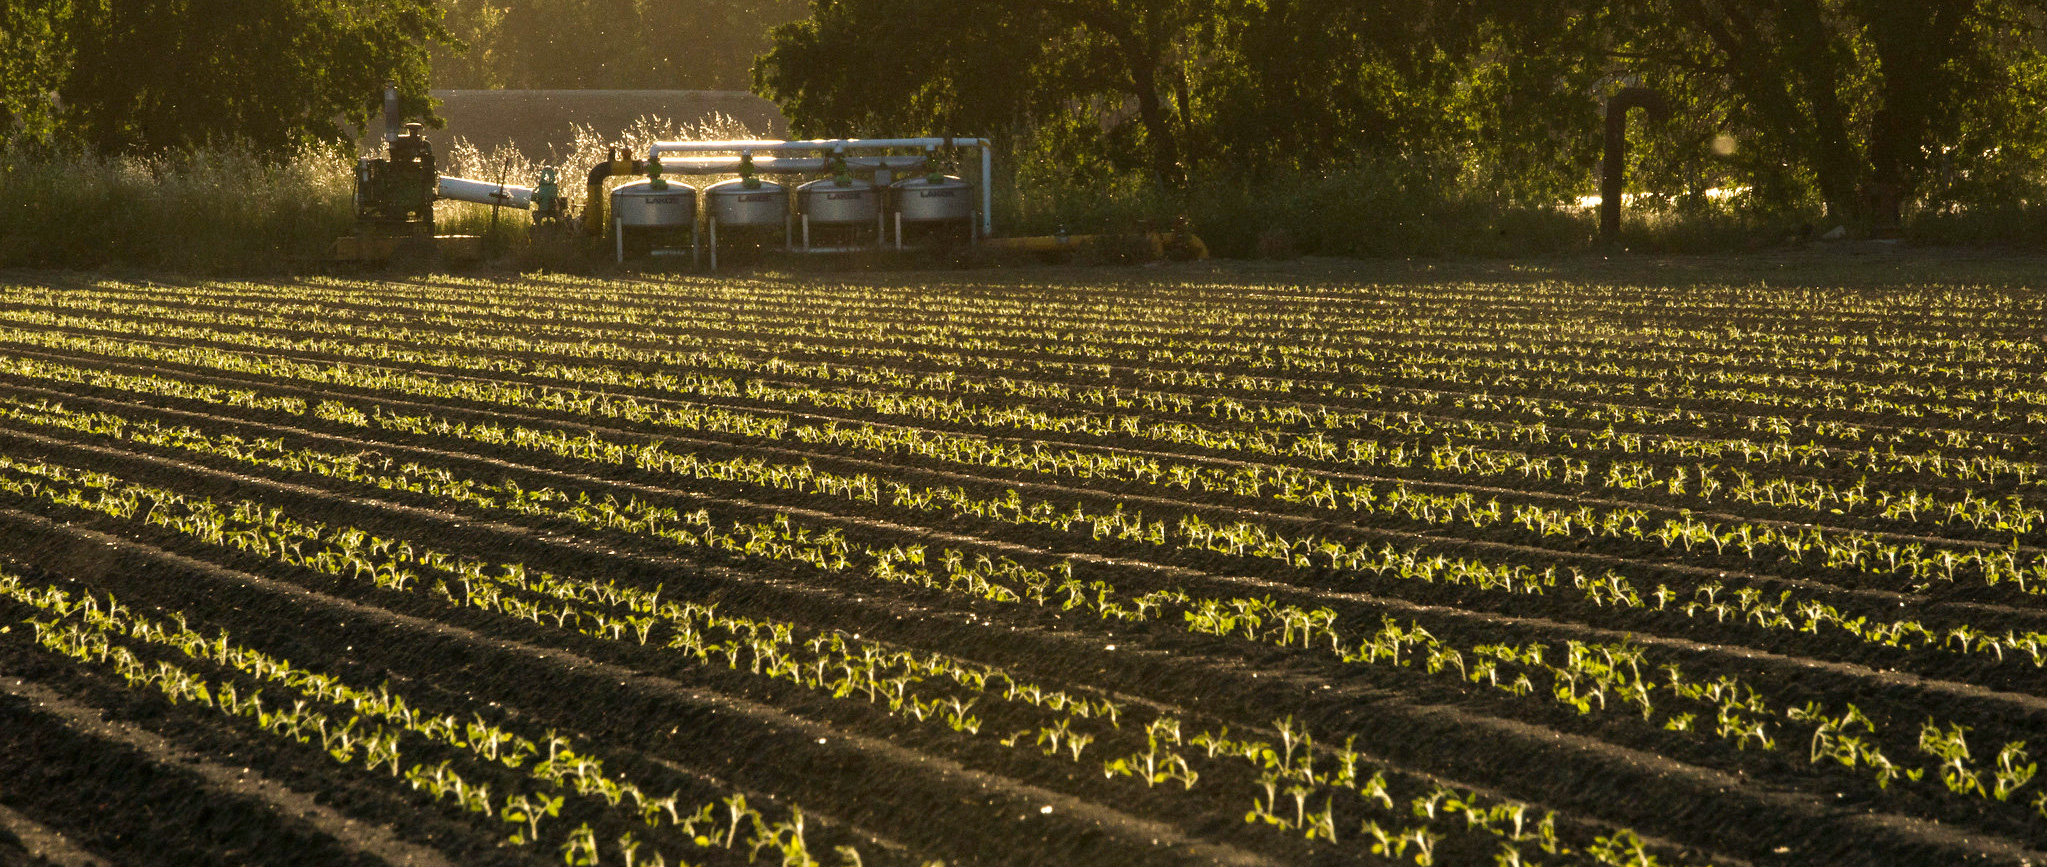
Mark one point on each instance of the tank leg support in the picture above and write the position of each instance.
(714, 243)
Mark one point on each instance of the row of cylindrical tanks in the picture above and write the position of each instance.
(752, 203)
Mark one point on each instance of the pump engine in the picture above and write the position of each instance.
(401, 188)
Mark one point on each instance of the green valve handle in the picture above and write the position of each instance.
(546, 193)
(746, 178)
(654, 180)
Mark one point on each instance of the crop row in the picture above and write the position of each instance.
(835, 664)
(386, 346)
(1592, 677)
(751, 345)
(1356, 324)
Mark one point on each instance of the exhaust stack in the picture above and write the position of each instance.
(391, 124)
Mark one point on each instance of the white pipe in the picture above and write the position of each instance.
(781, 165)
(618, 236)
(485, 192)
(987, 192)
(661, 147)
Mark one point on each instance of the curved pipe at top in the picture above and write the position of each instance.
(593, 207)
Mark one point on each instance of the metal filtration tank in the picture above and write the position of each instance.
(839, 207)
(934, 199)
(748, 204)
(830, 201)
(735, 204)
(656, 215)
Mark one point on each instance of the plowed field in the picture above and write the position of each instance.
(1140, 568)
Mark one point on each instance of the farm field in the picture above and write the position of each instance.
(1115, 567)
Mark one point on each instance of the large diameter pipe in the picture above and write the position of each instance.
(593, 208)
(485, 193)
(667, 147)
(785, 165)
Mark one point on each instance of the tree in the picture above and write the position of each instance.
(34, 52)
(149, 75)
(1170, 87)
(1863, 105)
(1861, 95)
(989, 64)
(607, 44)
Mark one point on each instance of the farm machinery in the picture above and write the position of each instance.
(805, 198)
(395, 196)
(861, 194)
(812, 197)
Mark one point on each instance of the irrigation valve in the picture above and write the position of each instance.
(746, 171)
(548, 206)
(841, 176)
(654, 180)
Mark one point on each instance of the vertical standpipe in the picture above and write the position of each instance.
(390, 112)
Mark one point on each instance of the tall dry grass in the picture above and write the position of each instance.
(504, 164)
(226, 210)
(212, 211)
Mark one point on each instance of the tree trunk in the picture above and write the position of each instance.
(1811, 53)
(1158, 124)
(1141, 65)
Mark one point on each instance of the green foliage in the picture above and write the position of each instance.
(1861, 105)
(604, 44)
(905, 67)
(154, 76)
(34, 51)
(1459, 116)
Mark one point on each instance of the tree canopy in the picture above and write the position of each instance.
(1855, 105)
(607, 44)
(150, 75)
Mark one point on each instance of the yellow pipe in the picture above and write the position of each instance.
(593, 211)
